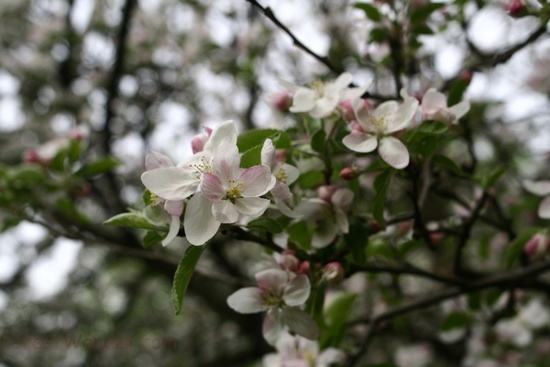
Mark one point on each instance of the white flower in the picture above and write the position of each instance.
(434, 107)
(376, 127)
(155, 160)
(279, 293)
(284, 174)
(181, 181)
(329, 215)
(299, 352)
(519, 329)
(418, 355)
(322, 99)
(541, 188)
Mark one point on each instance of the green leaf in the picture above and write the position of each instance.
(337, 315)
(513, 251)
(252, 138)
(265, 224)
(381, 183)
(492, 177)
(447, 163)
(183, 275)
(457, 92)
(132, 220)
(152, 237)
(25, 175)
(422, 13)
(252, 157)
(97, 167)
(378, 35)
(318, 141)
(370, 11)
(431, 127)
(455, 320)
(300, 234)
(357, 240)
(74, 150)
(310, 179)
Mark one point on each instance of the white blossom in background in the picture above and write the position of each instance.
(519, 329)
(540, 188)
(322, 99)
(434, 107)
(328, 212)
(279, 293)
(284, 174)
(295, 351)
(418, 355)
(174, 208)
(374, 130)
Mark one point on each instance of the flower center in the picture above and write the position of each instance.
(202, 167)
(235, 190)
(281, 175)
(271, 299)
(319, 88)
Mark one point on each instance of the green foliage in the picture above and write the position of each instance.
(266, 225)
(132, 220)
(455, 320)
(183, 275)
(370, 10)
(337, 314)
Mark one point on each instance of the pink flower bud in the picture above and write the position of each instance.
(466, 75)
(30, 156)
(197, 144)
(304, 267)
(515, 9)
(537, 246)
(348, 173)
(325, 192)
(282, 101)
(333, 273)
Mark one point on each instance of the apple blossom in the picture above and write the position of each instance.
(519, 329)
(375, 129)
(541, 188)
(434, 107)
(181, 181)
(538, 245)
(279, 293)
(199, 140)
(296, 351)
(322, 99)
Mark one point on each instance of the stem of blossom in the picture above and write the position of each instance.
(419, 226)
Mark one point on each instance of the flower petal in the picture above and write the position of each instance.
(173, 232)
(541, 188)
(225, 211)
(171, 183)
(285, 209)
(247, 300)
(257, 181)
(460, 109)
(303, 100)
(199, 222)
(297, 291)
(174, 208)
(268, 153)
(432, 101)
(281, 191)
(252, 206)
(360, 142)
(211, 187)
(300, 322)
(223, 134)
(272, 280)
(402, 117)
(341, 221)
(324, 234)
(388, 108)
(393, 152)
(330, 356)
(226, 165)
(292, 173)
(325, 105)
(272, 326)
(544, 208)
(342, 199)
(155, 160)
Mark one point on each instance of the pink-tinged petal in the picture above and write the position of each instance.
(253, 207)
(171, 183)
(155, 160)
(211, 187)
(257, 181)
(247, 300)
(292, 173)
(341, 221)
(324, 234)
(300, 322)
(173, 231)
(272, 280)
(325, 105)
(402, 118)
(303, 100)
(268, 153)
(174, 208)
(340, 83)
(432, 101)
(384, 110)
(225, 211)
(226, 165)
(541, 188)
(460, 109)
(342, 198)
(297, 291)
(281, 191)
(224, 134)
(272, 326)
(285, 209)
(360, 142)
(199, 222)
(393, 152)
(544, 208)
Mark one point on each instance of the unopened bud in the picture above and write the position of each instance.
(516, 9)
(333, 273)
(348, 173)
(304, 267)
(537, 246)
(197, 144)
(325, 192)
(466, 75)
(30, 156)
(282, 101)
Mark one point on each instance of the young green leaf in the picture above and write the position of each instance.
(183, 275)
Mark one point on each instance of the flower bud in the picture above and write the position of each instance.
(333, 273)
(466, 75)
(516, 9)
(31, 156)
(282, 101)
(325, 192)
(289, 261)
(537, 246)
(348, 173)
(304, 268)
(197, 144)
